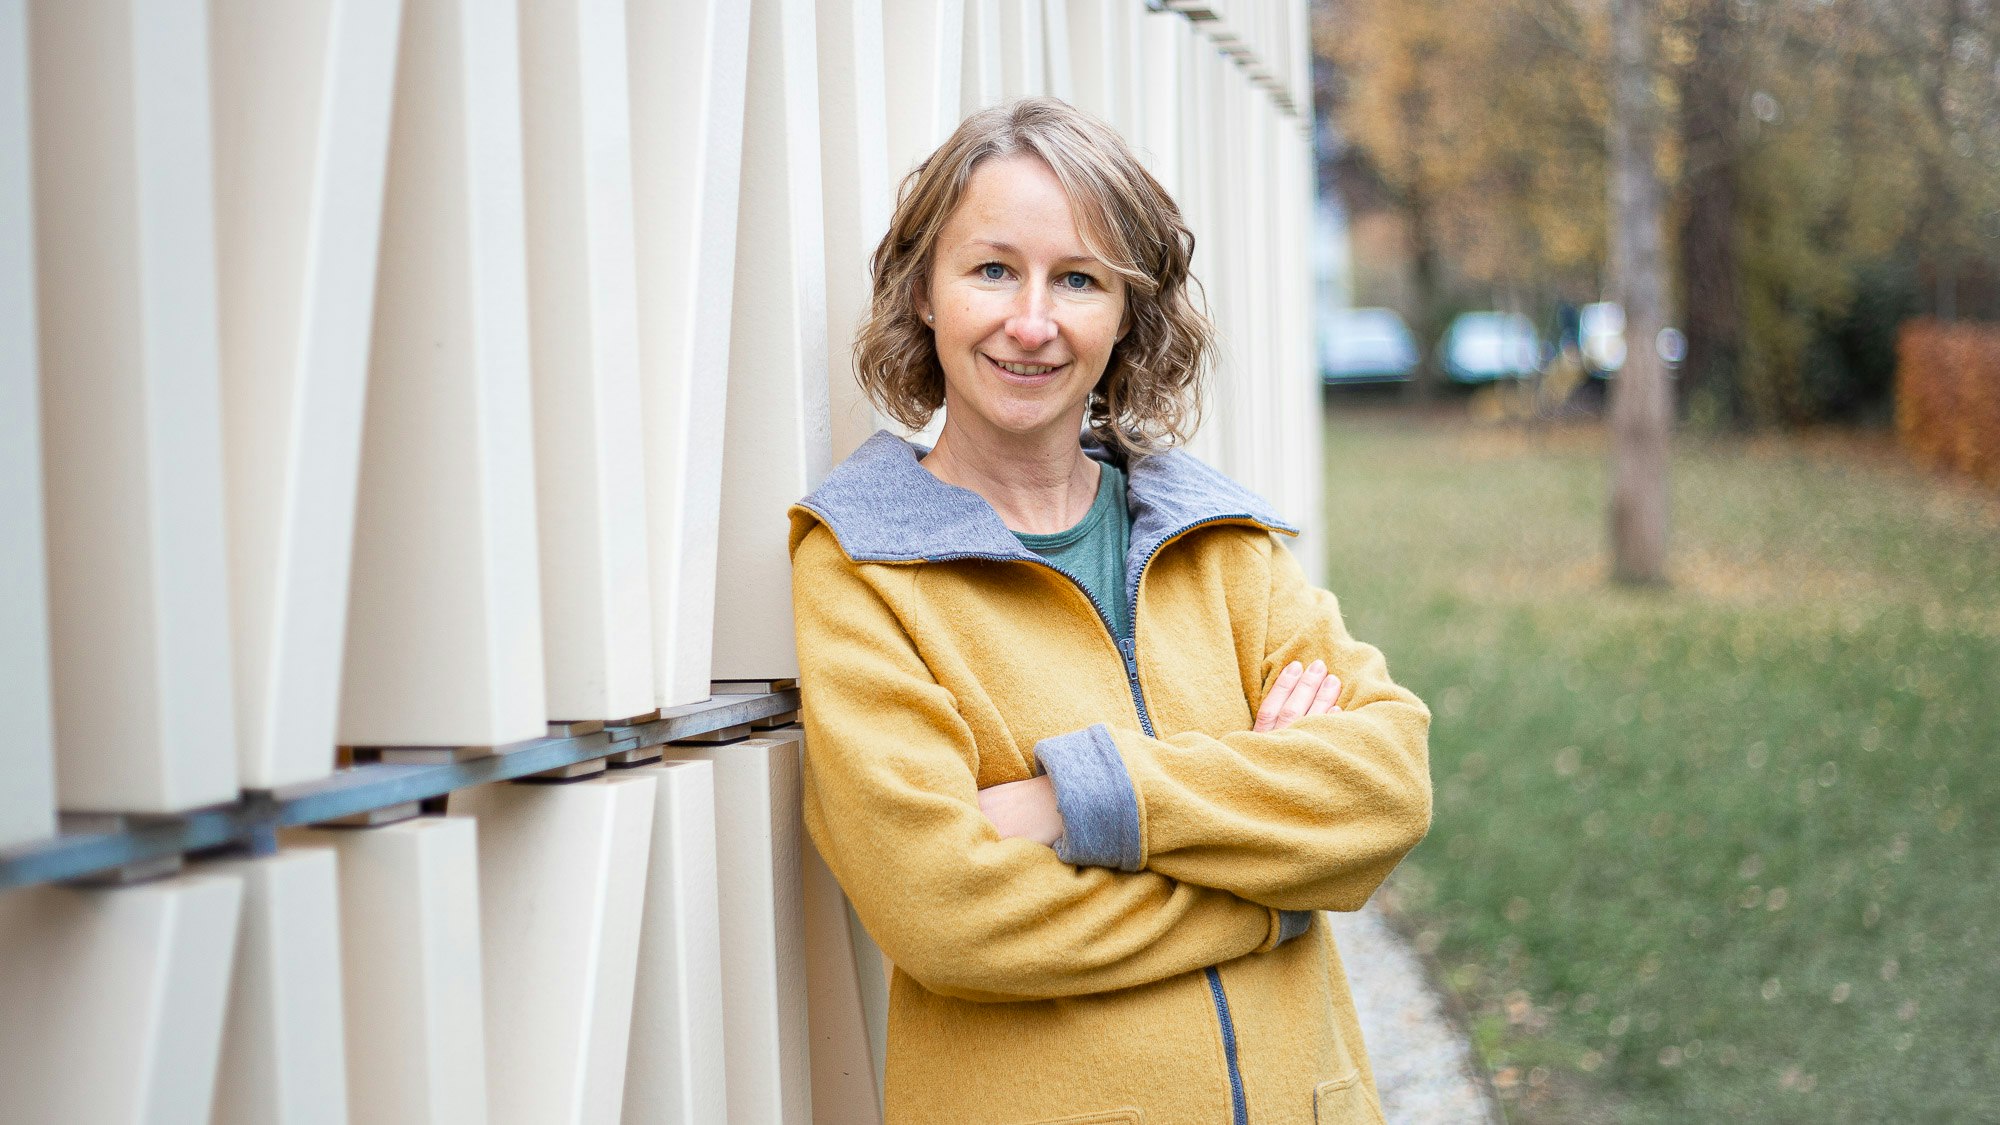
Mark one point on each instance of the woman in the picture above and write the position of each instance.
(1083, 747)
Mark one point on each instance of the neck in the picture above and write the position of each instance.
(1038, 484)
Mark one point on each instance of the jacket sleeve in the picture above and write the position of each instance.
(1311, 817)
(891, 801)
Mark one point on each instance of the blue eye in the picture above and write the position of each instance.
(1076, 280)
(993, 271)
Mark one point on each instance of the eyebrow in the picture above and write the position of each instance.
(1010, 248)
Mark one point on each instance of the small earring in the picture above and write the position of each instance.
(930, 318)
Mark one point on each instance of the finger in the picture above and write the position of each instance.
(1267, 714)
(1302, 693)
(1268, 709)
(1327, 697)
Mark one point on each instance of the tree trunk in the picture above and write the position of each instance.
(1711, 95)
(1426, 261)
(1935, 200)
(1641, 411)
(1426, 277)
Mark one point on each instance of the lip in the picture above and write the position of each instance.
(1021, 380)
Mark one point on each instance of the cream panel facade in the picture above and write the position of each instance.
(758, 830)
(1301, 89)
(1091, 30)
(1205, 189)
(1181, 124)
(922, 63)
(1130, 60)
(283, 1054)
(114, 1000)
(872, 970)
(301, 97)
(1296, 167)
(1278, 346)
(562, 878)
(131, 405)
(411, 987)
(604, 259)
(687, 72)
(1235, 286)
(597, 616)
(855, 188)
(444, 631)
(1057, 65)
(1023, 55)
(847, 1073)
(1265, 471)
(776, 440)
(27, 757)
(981, 83)
(675, 1074)
(1159, 45)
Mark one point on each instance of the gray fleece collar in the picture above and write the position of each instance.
(885, 507)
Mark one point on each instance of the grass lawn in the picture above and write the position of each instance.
(1728, 851)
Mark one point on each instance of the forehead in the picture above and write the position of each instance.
(1016, 200)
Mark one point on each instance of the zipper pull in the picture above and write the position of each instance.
(1129, 649)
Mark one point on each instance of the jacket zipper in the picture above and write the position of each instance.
(1239, 1106)
(1128, 651)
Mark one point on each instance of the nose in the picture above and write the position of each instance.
(1034, 322)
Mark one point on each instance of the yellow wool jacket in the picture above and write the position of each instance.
(1164, 964)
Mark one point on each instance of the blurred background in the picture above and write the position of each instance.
(1718, 839)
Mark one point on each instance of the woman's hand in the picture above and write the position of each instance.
(1024, 810)
(1297, 693)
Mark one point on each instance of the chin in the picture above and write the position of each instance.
(1011, 410)
(1026, 417)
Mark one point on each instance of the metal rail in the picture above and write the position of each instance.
(94, 844)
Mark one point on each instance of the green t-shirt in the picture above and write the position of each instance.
(1094, 550)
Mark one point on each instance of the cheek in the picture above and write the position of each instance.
(963, 315)
(1097, 331)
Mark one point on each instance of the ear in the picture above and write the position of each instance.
(920, 299)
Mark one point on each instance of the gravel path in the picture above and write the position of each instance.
(1423, 1066)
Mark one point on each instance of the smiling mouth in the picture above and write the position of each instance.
(1035, 371)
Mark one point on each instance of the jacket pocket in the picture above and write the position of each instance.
(1345, 1101)
(1126, 1116)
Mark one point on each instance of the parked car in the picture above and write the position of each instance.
(1481, 347)
(1601, 327)
(1366, 346)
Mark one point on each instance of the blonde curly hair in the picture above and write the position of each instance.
(1149, 397)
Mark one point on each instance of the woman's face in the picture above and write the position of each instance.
(1024, 317)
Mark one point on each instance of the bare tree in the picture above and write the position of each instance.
(1711, 97)
(1641, 409)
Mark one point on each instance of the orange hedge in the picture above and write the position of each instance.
(1948, 396)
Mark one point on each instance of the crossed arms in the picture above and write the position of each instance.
(1031, 810)
(1222, 833)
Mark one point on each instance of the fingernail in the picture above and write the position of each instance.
(1293, 668)
(1319, 666)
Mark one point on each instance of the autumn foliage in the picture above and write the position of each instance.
(1832, 166)
(1948, 396)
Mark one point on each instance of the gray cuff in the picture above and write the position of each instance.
(1292, 923)
(1099, 808)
